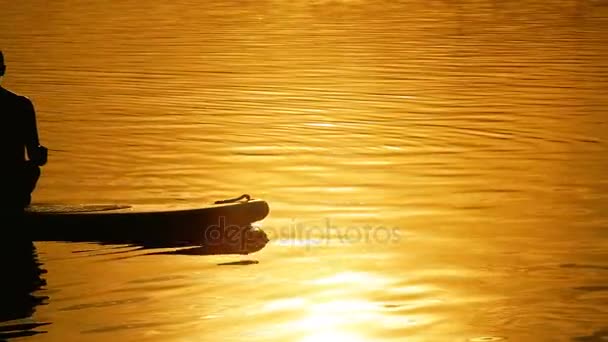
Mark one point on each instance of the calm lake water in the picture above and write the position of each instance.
(457, 149)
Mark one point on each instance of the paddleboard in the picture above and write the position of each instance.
(164, 225)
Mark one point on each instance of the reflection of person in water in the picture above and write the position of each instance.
(21, 277)
(18, 133)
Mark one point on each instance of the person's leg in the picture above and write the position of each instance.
(31, 174)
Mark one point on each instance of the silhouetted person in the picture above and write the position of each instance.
(18, 134)
(19, 266)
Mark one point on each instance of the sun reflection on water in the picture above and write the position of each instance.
(329, 321)
(344, 308)
(332, 336)
(354, 279)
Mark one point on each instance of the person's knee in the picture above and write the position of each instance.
(36, 172)
(30, 178)
(32, 174)
(32, 170)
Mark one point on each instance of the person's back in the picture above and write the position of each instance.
(18, 133)
(13, 129)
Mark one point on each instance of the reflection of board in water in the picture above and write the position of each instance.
(225, 226)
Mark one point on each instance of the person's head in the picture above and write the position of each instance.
(2, 66)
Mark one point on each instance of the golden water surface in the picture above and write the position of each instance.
(436, 170)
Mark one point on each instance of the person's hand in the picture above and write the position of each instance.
(39, 155)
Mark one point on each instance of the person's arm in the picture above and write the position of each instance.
(35, 152)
